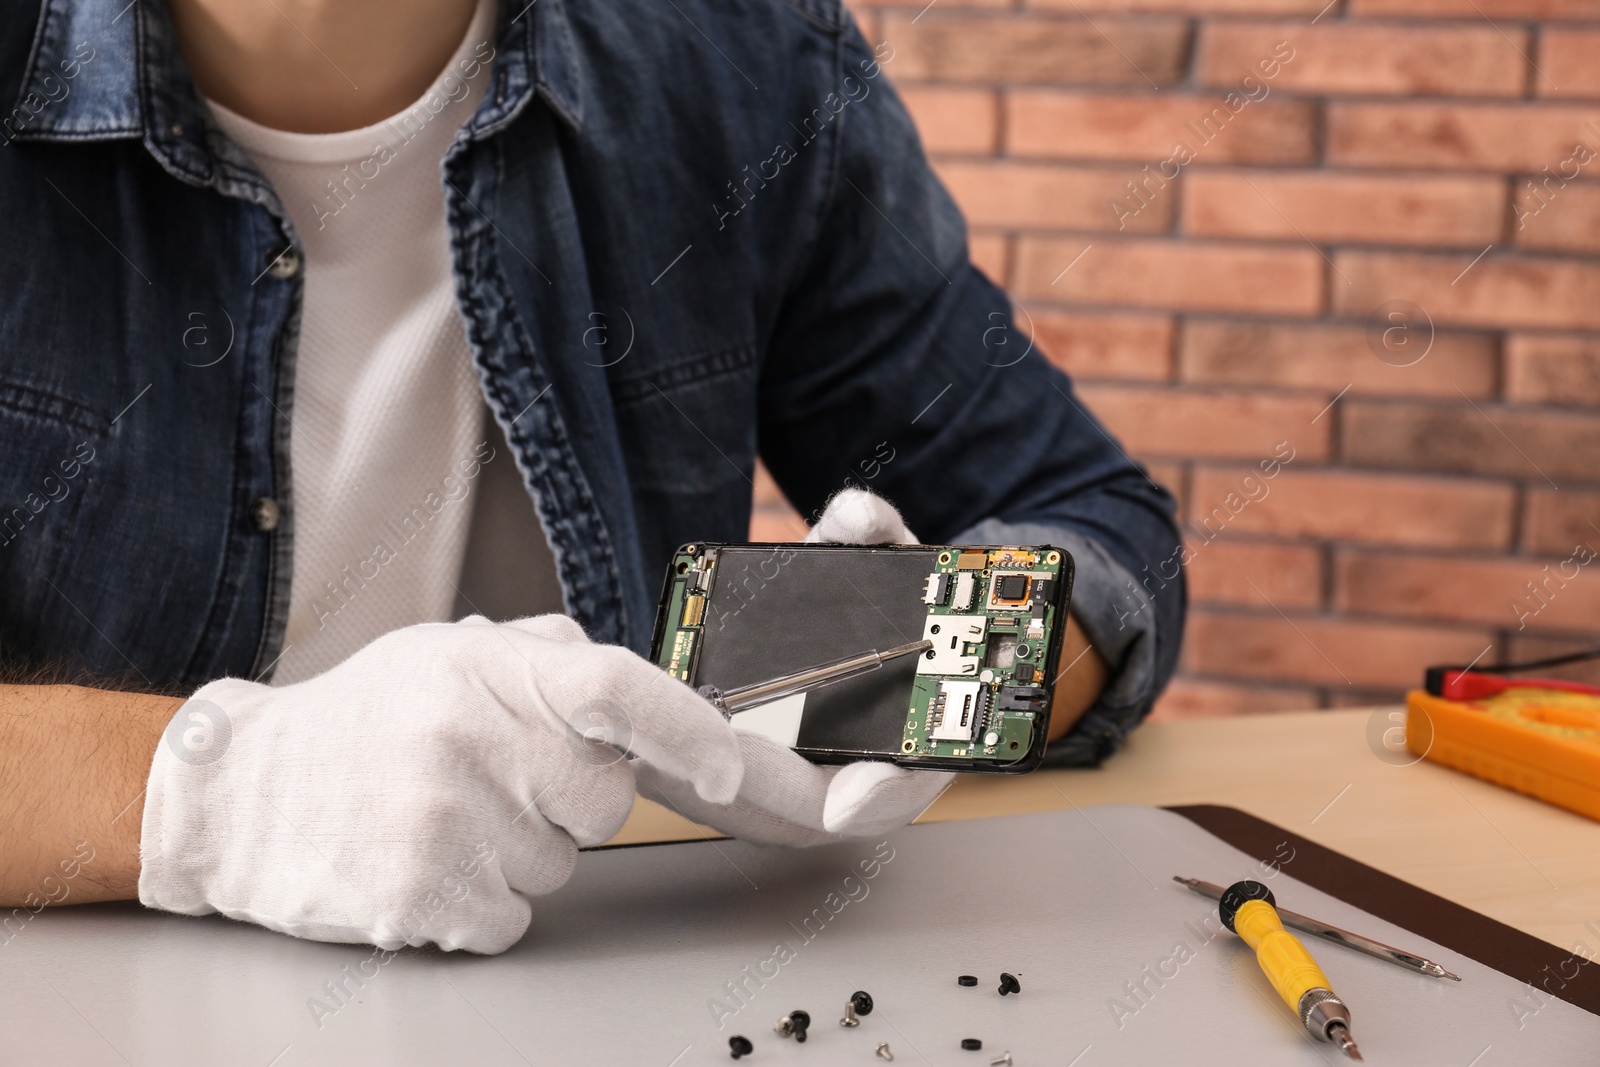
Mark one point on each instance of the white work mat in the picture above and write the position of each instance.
(655, 955)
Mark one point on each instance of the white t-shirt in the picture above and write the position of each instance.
(391, 447)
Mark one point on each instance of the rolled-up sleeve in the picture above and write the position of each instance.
(1122, 622)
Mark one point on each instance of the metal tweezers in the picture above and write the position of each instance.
(731, 701)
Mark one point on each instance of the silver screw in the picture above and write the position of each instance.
(1002, 1060)
(850, 1018)
(884, 1053)
(784, 1027)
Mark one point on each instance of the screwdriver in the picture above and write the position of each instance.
(730, 701)
(1249, 910)
(1337, 934)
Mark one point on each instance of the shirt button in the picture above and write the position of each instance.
(265, 513)
(286, 265)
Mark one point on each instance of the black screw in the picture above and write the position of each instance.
(861, 1001)
(801, 1021)
(739, 1046)
(971, 1044)
(967, 979)
(1009, 983)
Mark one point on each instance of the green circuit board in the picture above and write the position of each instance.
(979, 692)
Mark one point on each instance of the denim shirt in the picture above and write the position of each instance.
(682, 235)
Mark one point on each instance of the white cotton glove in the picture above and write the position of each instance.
(422, 790)
(786, 799)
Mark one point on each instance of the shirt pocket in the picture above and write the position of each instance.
(688, 435)
(50, 444)
(688, 426)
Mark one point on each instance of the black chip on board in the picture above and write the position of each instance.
(1011, 587)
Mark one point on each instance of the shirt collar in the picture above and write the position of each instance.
(81, 82)
(109, 69)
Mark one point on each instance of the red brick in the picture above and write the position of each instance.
(1343, 208)
(1049, 196)
(1186, 7)
(1557, 521)
(1462, 439)
(1470, 9)
(1526, 646)
(1323, 651)
(1553, 369)
(954, 120)
(1104, 346)
(1345, 696)
(990, 253)
(1237, 571)
(1563, 217)
(1353, 506)
(1567, 58)
(1197, 698)
(1143, 127)
(868, 21)
(1338, 56)
(1330, 358)
(1564, 594)
(1498, 291)
(1505, 137)
(1037, 50)
(1210, 423)
(1187, 276)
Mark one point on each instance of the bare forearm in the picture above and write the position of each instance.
(73, 763)
(1083, 675)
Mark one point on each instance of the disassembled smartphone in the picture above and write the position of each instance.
(977, 700)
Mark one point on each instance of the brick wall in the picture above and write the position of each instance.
(1381, 249)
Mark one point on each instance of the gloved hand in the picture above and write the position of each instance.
(422, 790)
(786, 799)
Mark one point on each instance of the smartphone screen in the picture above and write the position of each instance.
(978, 700)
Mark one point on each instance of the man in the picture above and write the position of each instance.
(328, 322)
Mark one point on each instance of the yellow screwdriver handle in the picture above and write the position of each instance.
(1284, 960)
(1247, 908)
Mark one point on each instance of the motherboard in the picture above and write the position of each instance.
(981, 689)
